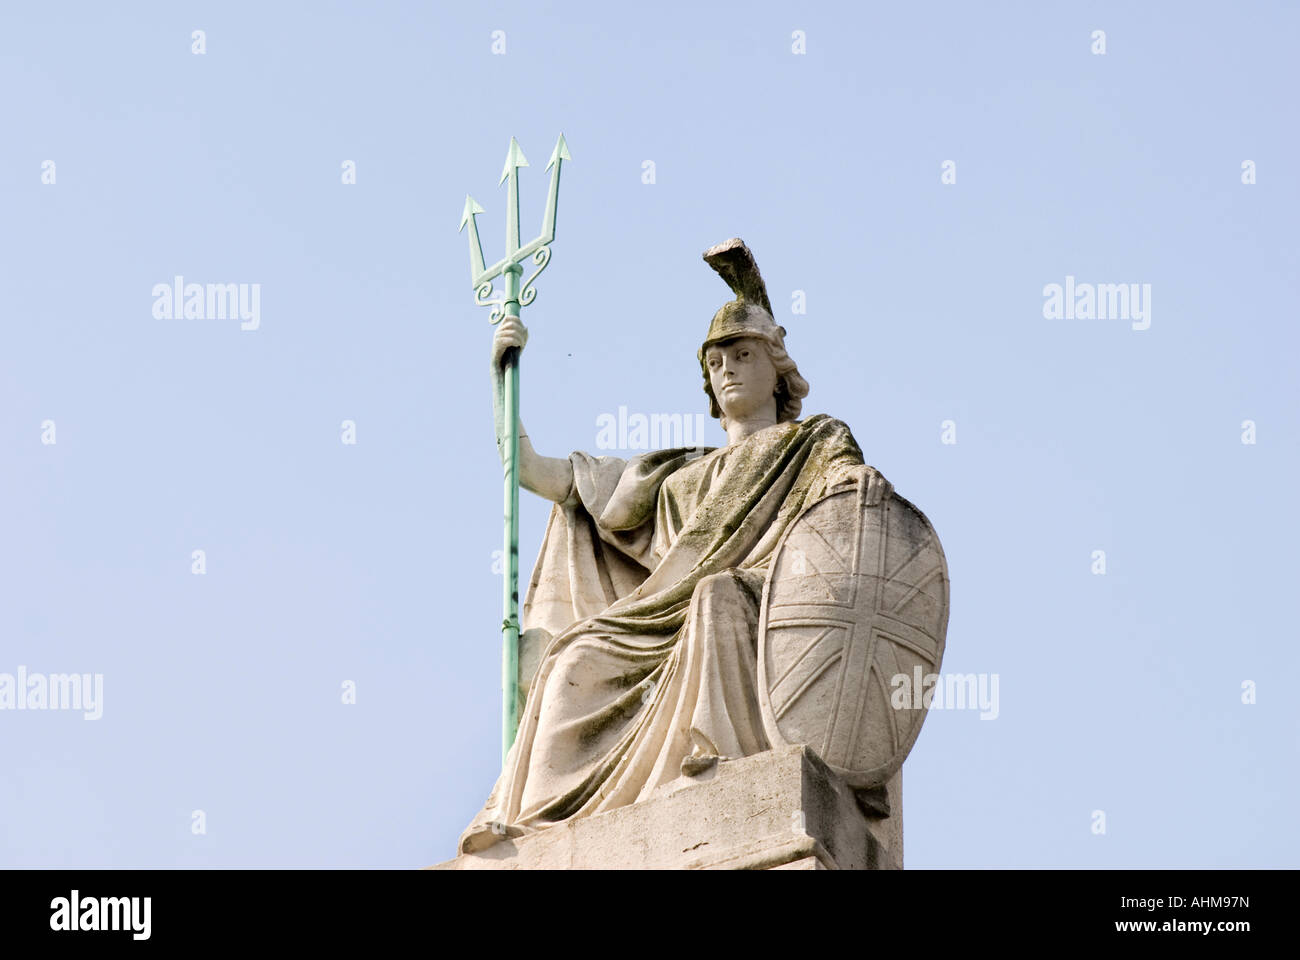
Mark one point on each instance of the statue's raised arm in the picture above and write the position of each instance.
(549, 477)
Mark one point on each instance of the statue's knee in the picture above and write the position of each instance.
(714, 584)
(727, 604)
(728, 583)
(568, 669)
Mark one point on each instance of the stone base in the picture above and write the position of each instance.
(783, 809)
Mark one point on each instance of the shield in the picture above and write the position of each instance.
(856, 598)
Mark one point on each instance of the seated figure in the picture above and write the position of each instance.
(645, 599)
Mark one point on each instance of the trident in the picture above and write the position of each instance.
(508, 305)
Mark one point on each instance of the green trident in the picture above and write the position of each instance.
(508, 305)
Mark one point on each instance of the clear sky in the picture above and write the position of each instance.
(372, 562)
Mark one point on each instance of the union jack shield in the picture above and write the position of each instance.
(856, 598)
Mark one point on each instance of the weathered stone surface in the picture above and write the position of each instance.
(782, 809)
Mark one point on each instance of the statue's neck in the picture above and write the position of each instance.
(738, 430)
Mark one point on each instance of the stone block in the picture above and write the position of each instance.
(782, 809)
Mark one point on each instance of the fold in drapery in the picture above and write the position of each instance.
(648, 583)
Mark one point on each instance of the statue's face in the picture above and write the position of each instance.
(742, 375)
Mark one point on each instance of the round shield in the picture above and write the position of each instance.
(854, 615)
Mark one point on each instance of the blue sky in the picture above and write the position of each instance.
(373, 562)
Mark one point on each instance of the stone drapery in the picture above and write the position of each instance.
(648, 586)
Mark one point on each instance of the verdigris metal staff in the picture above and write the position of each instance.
(507, 407)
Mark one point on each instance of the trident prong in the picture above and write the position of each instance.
(510, 177)
(558, 156)
(475, 246)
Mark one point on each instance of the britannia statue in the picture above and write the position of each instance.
(693, 606)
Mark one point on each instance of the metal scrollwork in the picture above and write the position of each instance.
(542, 257)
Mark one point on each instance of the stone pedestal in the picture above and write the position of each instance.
(779, 810)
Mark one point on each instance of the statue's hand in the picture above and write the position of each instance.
(878, 488)
(511, 332)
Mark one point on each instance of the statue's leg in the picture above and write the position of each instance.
(583, 707)
(698, 697)
(723, 633)
(488, 826)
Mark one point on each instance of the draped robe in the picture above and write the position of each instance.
(646, 594)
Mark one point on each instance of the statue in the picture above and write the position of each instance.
(673, 606)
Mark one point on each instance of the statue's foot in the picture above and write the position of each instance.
(696, 764)
(480, 836)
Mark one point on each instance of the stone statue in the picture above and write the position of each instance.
(658, 650)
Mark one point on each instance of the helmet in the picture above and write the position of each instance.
(750, 314)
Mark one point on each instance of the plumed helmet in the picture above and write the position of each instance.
(750, 314)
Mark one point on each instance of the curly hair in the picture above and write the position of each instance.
(791, 388)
